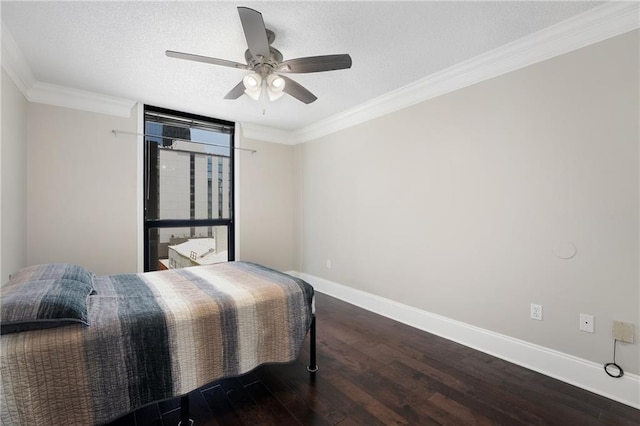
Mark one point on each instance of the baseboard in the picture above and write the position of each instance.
(576, 371)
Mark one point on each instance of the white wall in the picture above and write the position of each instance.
(82, 193)
(13, 164)
(460, 205)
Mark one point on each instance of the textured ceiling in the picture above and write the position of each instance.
(117, 48)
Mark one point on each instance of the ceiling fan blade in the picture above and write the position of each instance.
(297, 91)
(316, 64)
(236, 92)
(205, 59)
(254, 31)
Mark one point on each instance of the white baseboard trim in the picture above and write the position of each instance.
(576, 371)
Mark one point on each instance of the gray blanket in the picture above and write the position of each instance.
(153, 336)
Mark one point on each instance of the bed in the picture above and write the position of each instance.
(139, 338)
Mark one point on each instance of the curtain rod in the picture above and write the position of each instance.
(124, 132)
(173, 121)
(206, 154)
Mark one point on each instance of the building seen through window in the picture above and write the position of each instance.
(188, 190)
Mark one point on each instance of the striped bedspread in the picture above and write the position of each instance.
(153, 336)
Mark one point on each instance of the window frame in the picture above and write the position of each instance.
(229, 222)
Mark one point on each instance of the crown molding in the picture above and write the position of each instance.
(269, 134)
(14, 62)
(51, 94)
(598, 24)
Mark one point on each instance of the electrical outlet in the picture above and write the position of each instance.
(586, 323)
(623, 331)
(328, 264)
(536, 312)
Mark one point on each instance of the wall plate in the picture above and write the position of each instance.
(586, 323)
(623, 331)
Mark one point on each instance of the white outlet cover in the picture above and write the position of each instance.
(586, 323)
(536, 312)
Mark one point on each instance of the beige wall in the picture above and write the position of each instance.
(13, 164)
(267, 212)
(82, 195)
(461, 205)
(457, 206)
(81, 189)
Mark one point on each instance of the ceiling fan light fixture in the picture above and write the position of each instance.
(253, 94)
(252, 81)
(275, 87)
(252, 85)
(274, 95)
(276, 82)
(264, 60)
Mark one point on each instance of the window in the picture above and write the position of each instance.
(188, 189)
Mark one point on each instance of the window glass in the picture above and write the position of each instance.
(192, 172)
(183, 247)
(188, 196)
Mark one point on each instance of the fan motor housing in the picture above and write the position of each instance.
(272, 61)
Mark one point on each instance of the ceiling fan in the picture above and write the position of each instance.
(267, 64)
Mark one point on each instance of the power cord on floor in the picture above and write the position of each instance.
(611, 367)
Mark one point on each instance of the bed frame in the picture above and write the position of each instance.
(311, 368)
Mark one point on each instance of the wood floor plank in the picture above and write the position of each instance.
(376, 407)
(394, 396)
(300, 397)
(553, 411)
(622, 411)
(559, 388)
(466, 415)
(464, 383)
(256, 412)
(320, 392)
(220, 406)
(278, 414)
(444, 375)
(348, 356)
(461, 397)
(609, 418)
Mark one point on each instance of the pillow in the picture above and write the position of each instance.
(36, 305)
(52, 271)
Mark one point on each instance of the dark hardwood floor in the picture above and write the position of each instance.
(375, 371)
